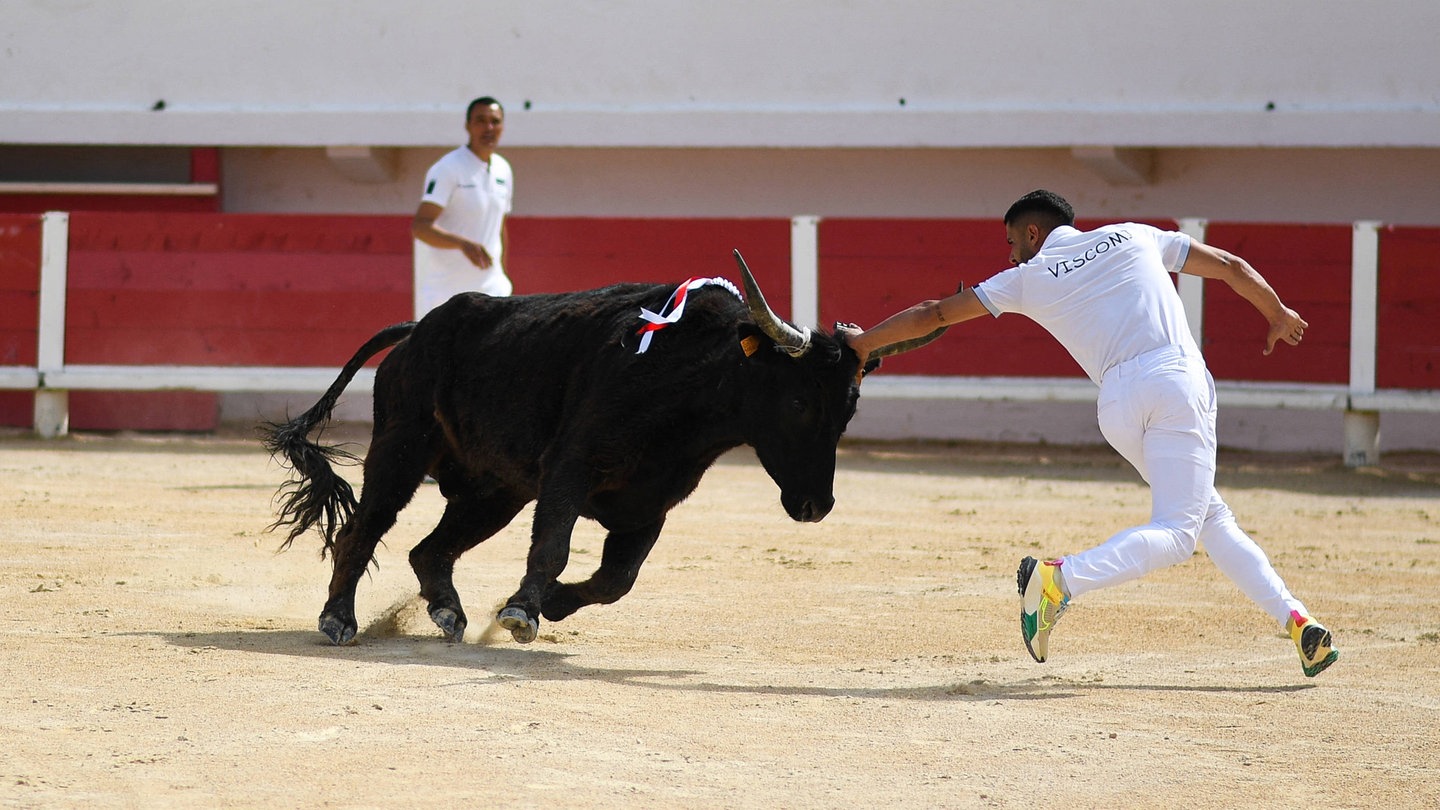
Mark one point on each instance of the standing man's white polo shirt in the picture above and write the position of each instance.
(475, 197)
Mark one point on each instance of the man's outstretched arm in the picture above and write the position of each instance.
(917, 321)
(1207, 261)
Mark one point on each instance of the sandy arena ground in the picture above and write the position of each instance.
(159, 652)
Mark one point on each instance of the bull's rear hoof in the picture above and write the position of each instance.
(522, 628)
(451, 623)
(339, 632)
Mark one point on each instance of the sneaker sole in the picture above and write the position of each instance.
(1023, 575)
(1314, 639)
(1312, 671)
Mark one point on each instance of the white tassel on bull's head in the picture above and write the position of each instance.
(792, 341)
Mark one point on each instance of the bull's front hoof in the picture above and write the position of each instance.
(338, 631)
(522, 628)
(450, 622)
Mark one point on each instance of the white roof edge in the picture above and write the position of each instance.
(764, 127)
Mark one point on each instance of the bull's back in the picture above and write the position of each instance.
(509, 378)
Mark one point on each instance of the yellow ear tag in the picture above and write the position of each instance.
(750, 345)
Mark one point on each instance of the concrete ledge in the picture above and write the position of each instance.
(1395, 400)
(1305, 396)
(984, 389)
(1298, 396)
(127, 189)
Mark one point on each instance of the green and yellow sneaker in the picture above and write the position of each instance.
(1043, 599)
(1314, 643)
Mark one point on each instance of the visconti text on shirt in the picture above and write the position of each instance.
(1065, 266)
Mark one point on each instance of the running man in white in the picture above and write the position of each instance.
(459, 228)
(1107, 296)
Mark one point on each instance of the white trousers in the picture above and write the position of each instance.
(436, 282)
(1158, 411)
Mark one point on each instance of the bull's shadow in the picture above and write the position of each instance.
(509, 663)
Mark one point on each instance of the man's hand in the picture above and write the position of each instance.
(479, 257)
(1287, 326)
(850, 334)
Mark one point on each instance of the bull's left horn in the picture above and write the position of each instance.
(906, 345)
(794, 342)
(912, 343)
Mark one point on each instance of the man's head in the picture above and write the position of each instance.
(1031, 218)
(485, 121)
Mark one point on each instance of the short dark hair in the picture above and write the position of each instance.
(1043, 207)
(483, 101)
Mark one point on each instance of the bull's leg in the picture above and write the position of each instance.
(394, 468)
(625, 552)
(469, 520)
(556, 511)
(354, 549)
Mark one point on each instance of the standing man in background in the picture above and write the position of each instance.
(459, 228)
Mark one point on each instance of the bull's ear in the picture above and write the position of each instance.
(751, 338)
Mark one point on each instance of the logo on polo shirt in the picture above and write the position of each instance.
(1095, 251)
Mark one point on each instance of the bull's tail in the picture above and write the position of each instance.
(315, 495)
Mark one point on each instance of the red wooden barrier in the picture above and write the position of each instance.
(872, 268)
(276, 290)
(1408, 333)
(554, 254)
(233, 290)
(19, 308)
(1309, 266)
(19, 288)
(305, 291)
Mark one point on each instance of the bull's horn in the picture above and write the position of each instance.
(794, 342)
(912, 343)
(906, 345)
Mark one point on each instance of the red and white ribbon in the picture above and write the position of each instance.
(674, 308)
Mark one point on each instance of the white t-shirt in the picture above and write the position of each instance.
(475, 198)
(1104, 294)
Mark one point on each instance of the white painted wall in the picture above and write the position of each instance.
(1288, 110)
(756, 73)
(1397, 186)
(1282, 110)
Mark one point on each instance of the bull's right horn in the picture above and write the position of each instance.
(792, 341)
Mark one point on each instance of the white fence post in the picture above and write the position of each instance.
(1192, 288)
(52, 406)
(1362, 428)
(805, 271)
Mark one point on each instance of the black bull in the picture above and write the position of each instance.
(545, 398)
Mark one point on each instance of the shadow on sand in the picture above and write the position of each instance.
(504, 663)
